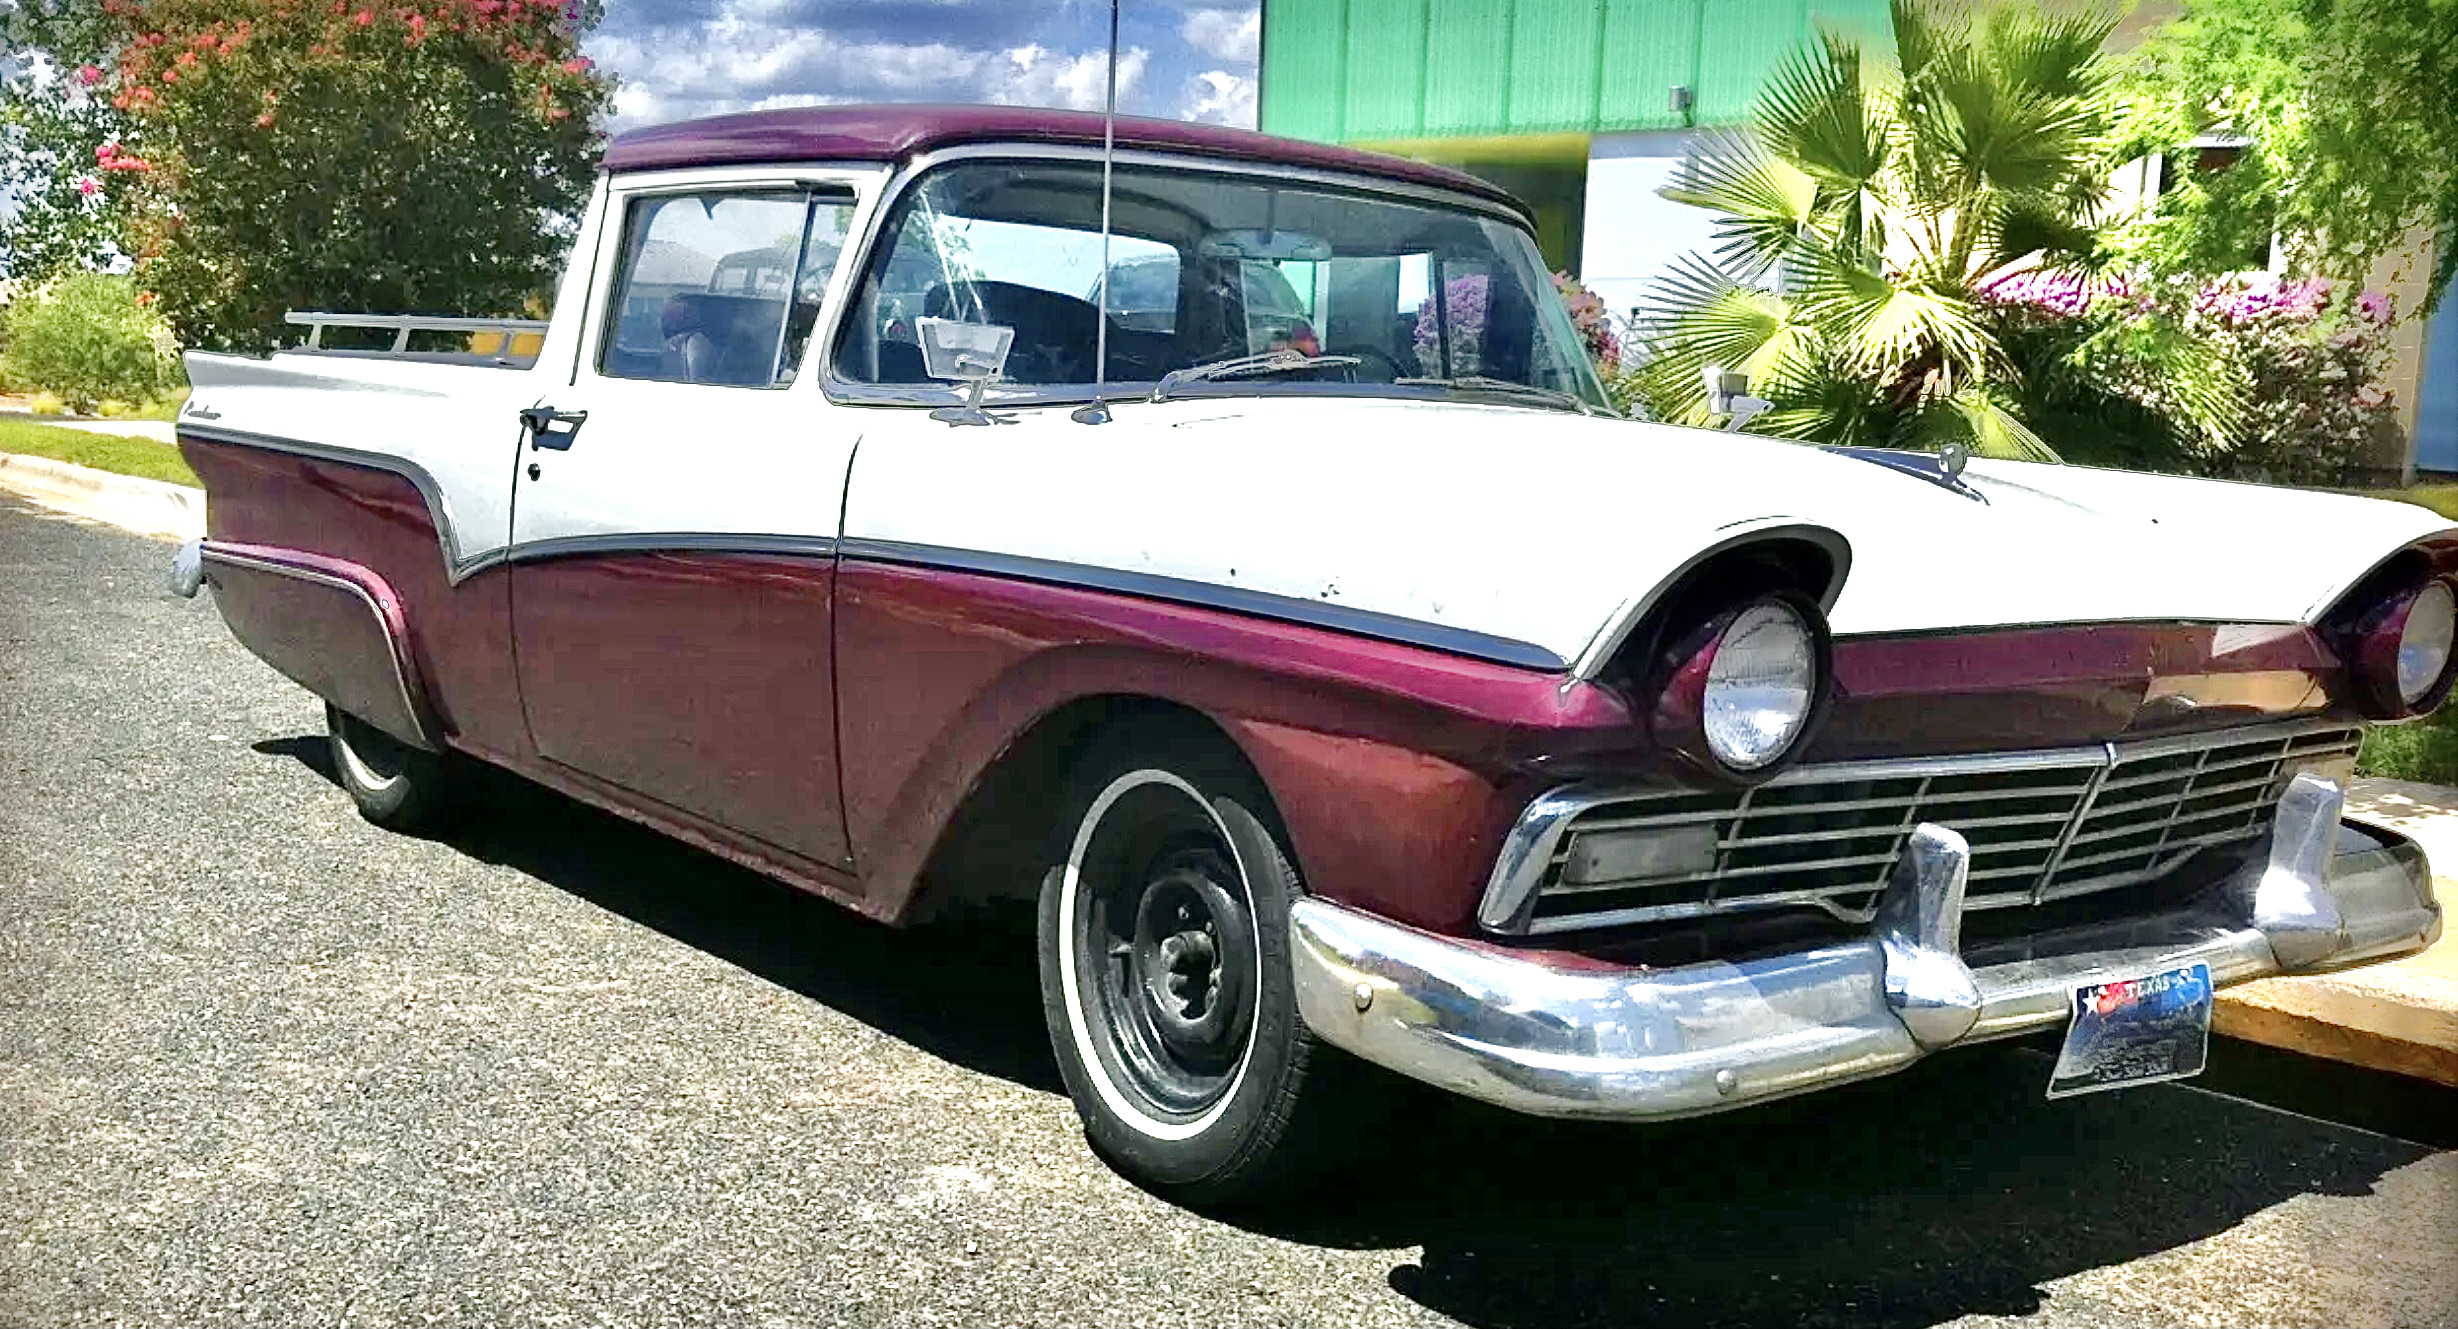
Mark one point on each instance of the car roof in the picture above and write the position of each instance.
(893, 133)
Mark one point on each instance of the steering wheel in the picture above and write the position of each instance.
(1373, 366)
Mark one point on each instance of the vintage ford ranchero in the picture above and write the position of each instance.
(1241, 563)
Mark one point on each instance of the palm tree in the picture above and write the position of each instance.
(1866, 208)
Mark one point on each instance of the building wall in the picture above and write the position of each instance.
(2436, 401)
(1347, 71)
(1632, 234)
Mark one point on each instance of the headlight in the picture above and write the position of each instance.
(1742, 691)
(2424, 641)
(2402, 652)
(1760, 684)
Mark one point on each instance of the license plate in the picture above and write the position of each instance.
(2130, 1031)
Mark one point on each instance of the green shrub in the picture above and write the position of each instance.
(2425, 749)
(86, 338)
(2238, 378)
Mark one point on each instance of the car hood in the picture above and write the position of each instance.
(1547, 528)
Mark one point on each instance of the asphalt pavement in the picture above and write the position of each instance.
(261, 1062)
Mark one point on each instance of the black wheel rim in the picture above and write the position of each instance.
(1164, 952)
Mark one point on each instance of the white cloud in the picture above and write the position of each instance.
(785, 99)
(1036, 76)
(1220, 97)
(676, 59)
(1234, 36)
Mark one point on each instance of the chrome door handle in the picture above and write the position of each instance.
(540, 421)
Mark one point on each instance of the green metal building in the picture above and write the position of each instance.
(1581, 107)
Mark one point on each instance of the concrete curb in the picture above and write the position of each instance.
(146, 507)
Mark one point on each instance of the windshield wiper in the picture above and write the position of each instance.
(1504, 387)
(1246, 366)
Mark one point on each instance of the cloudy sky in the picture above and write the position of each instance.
(1185, 59)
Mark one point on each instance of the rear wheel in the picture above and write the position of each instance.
(396, 786)
(1166, 983)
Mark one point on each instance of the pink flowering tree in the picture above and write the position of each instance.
(67, 212)
(424, 156)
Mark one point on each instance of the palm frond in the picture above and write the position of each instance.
(1765, 200)
(1812, 112)
(2055, 54)
(1885, 328)
(1975, 417)
(2026, 228)
(1698, 316)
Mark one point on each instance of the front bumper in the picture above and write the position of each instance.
(1640, 1044)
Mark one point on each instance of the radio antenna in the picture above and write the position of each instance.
(1098, 411)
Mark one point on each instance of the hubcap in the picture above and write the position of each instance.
(1164, 956)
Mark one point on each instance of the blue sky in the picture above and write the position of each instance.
(1184, 59)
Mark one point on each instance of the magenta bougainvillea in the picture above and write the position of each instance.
(2301, 358)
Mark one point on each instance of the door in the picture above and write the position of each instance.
(674, 517)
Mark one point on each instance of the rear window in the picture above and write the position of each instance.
(722, 287)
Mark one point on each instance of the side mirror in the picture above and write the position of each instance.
(972, 353)
(966, 352)
(1722, 386)
(1726, 396)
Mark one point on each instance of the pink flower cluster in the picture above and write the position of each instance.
(2057, 292)
(108, 158)
(2241, 300)
(1589, 315)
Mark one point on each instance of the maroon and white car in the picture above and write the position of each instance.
(1306, 638)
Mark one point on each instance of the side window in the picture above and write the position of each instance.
(721, 287)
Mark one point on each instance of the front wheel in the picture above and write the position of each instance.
(395, 786)
(1164, 940)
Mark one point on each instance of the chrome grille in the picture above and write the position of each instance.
(2042, 826)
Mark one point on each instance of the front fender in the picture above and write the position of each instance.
(940, 673)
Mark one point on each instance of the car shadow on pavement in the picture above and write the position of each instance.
(966, 992)
(1948, 1190)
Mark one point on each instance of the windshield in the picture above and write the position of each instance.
(1428, 300)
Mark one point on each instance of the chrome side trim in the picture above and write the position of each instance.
(1204, 595)
(671, 542)
(457, 566)
(413, 710)
(1595, 1041)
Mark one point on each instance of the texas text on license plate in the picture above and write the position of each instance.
(2129, 1031)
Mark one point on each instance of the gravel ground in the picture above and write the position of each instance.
(260, 1062)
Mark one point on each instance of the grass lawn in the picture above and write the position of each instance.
(2440, 498)
(104, 452)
